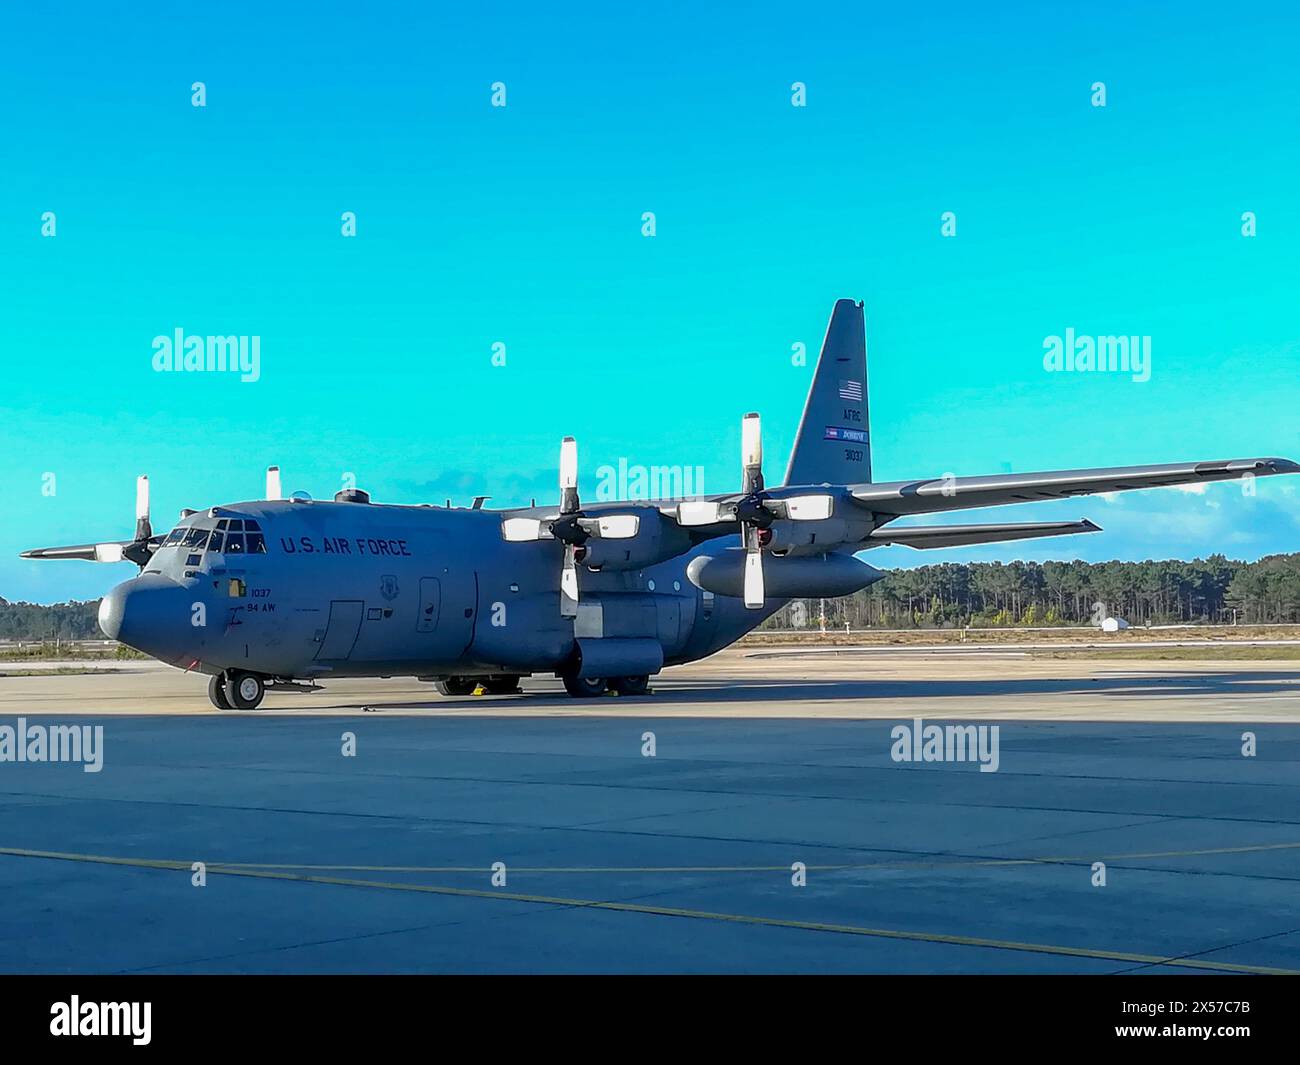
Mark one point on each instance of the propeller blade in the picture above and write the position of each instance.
(569, 583)
(143, 530)
(754, 579)
(618, 526)
(523, 530)
(699, 512)
(751, 453)
(273, 483)
(569, 476)
(809, 508)
(108, 552)
(84, 552)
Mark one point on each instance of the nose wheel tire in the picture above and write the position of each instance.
(584, 687)
(244, 691)
(217, 693)
(630, 685)
(456, 686)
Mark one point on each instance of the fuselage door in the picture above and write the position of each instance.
(341, 633)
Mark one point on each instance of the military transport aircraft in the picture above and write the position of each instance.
(280, 594)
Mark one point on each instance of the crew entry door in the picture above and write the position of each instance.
(341, 634)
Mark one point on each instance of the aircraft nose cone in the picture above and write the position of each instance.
(111, 608)
(150, 613)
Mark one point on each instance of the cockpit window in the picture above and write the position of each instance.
(174, 537)
(195, 539)
(235, 544)
(223, 523)
(215, 540)
(236, 525)
(256, 543)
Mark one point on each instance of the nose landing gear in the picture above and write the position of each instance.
(217, 692)
(236, 690)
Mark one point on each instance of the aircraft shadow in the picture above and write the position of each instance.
(669, 692)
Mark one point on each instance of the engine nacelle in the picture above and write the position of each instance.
(657, 539)
(821, 535)
(794, 577)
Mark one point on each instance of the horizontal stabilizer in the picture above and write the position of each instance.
(924, 537)
(961, 493)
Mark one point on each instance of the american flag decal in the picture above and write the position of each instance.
(851, 390)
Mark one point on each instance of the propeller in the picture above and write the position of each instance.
(571, 526)
(755, 510)
(137, 550)
(568, 528)
(141, 547)
(755, 519)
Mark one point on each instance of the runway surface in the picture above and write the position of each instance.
(619, 862)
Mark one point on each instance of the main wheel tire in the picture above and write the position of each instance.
(244, 691)
(630, 685)
(584, 687)
(456, 686)
(217, 692)
(502, 685)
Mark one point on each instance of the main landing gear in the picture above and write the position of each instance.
(578, 687)
(236, 690)
(502, 685)
(590, 687)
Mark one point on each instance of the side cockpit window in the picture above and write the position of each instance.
(254, 541)
(174, 537)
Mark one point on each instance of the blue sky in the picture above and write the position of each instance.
(522, 225)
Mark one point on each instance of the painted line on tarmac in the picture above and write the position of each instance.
(667, 911)
(937, 862)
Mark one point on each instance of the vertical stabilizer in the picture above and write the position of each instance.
(833, 445)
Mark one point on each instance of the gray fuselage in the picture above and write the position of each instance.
(360, 589)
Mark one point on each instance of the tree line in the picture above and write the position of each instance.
(952, 594)
(59, 621)
(994, 594)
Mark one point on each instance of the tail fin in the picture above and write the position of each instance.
(833, 445)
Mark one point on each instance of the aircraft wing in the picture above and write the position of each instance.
(961, 493)
(924, 537)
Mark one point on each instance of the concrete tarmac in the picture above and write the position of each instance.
(981, 681)
(772, 830)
